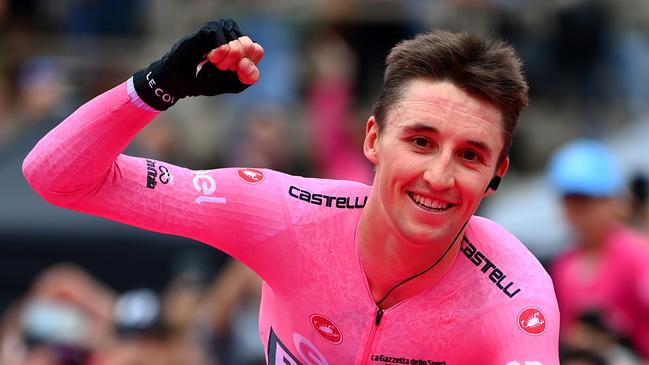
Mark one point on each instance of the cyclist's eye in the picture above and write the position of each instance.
(421, 142)
(470, 155)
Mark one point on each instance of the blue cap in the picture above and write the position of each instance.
(585, 167)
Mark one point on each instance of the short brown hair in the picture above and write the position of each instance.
(487, 68)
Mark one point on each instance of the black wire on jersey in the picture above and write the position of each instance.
(427, 269)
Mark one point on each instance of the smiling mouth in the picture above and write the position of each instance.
(430, 204)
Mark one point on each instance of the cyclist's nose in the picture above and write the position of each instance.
(439, 172)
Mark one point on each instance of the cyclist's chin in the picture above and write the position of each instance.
(425, 234)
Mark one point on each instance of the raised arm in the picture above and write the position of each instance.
(216, 59)
(79, 165)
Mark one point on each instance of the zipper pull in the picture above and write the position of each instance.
(379, 315)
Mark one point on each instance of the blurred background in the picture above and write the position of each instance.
(76, 289)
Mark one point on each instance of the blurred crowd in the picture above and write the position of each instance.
(587, 68)
(68, 317)
(602, 278)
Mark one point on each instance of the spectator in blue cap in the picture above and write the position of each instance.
(606, 269)
(587, 168)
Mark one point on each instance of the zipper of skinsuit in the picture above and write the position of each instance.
(370, 338)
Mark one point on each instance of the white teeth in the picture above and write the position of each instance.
(429, 203)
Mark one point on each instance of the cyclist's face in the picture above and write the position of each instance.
(590, 217)
(434, 157)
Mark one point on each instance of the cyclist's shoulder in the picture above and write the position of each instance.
(506, 251)
(489, 233)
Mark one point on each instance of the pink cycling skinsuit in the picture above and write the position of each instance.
(496, 305)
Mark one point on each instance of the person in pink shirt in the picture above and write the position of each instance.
(397, 272)
(606, 270)
(329, 100)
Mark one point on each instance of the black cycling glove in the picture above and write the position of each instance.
(185, 71)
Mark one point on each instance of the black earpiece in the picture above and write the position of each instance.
(494, 183)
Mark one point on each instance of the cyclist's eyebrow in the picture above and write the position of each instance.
(421, 128)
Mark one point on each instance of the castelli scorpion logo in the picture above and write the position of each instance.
(253, 176)
(326, 329)
(532, 321)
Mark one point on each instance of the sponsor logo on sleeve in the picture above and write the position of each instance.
(153, 174)
(489, 268)
(206, 186)
(343, 202)
(326, 329)
(165, 176)
(531, 321)
(253, 176)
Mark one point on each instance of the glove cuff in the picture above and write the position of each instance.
(157, 87)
